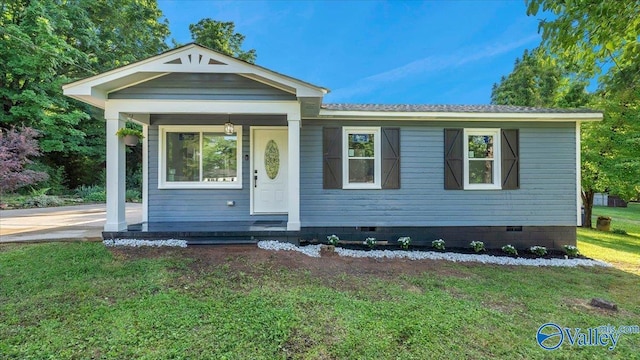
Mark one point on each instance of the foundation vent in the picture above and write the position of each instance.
(367, 228)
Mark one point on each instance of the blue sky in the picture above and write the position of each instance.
(433, 52)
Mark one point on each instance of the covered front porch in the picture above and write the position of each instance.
(207, 200)
(183, 99)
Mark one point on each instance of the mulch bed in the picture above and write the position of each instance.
(522, 254)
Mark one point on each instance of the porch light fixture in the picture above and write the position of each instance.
(228, 127)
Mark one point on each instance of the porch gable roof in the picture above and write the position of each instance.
(190, 58)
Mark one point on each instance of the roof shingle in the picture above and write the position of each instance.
(450, 108)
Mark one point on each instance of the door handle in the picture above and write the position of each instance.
(255, 178)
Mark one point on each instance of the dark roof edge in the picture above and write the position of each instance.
(497, 109)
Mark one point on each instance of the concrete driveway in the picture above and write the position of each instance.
(79, 222)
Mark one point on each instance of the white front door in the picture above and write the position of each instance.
(270, 170)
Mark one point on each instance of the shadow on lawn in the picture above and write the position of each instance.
(624, 243)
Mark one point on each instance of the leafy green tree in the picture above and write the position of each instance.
(127, 31)
(611, 149)
(221, 36)
(589, 36)
(537, 81)
(617, 137)
(32, 58)
(48, 43)
(531, 83)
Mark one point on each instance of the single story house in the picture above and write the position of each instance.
(233, 151)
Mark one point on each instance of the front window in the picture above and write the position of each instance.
(199, 157)
(481, 151)
(361, 167)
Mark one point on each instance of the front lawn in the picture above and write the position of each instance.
(621, 250)
(82, 300)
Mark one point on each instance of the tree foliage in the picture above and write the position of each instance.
(589, 36)
(531, 83)
(221, 36)
(16, 148)
(33, 61)
(611, 149)
(538, 81)
(48, 43)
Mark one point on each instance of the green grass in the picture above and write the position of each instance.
(623, 251)
(79, 300)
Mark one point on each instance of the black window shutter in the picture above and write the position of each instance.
(453, 159)
(332, 158)
(391, 158)
(510, 159)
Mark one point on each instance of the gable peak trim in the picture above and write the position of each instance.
(194, 58)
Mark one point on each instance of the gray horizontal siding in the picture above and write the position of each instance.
(194, 86)
(177, 205)
(547, 195)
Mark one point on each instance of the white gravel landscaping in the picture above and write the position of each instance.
(311, 250)
(314, 251)
(139, 243)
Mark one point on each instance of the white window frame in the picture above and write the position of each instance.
(497, 161)
(162, 160)
(377, 160)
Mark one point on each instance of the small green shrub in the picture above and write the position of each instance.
(133, 195)
(93, 193)
(538, 250)
(477, 246)
(370, 242)
(83, 191)
(404, 242)
(98, 196)
(619, 231)
(571, 250)
(510, 249)
(43, 201)
(438, 244)
(333, 239)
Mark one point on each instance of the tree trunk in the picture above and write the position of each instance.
(587, 203)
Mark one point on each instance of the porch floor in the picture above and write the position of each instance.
(208, 232)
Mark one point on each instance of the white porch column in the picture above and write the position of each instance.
(145, 173)
(116, 219)
(294, 172)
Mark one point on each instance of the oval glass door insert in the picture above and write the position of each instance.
(272, 159)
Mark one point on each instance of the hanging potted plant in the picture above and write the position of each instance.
(131, 136)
